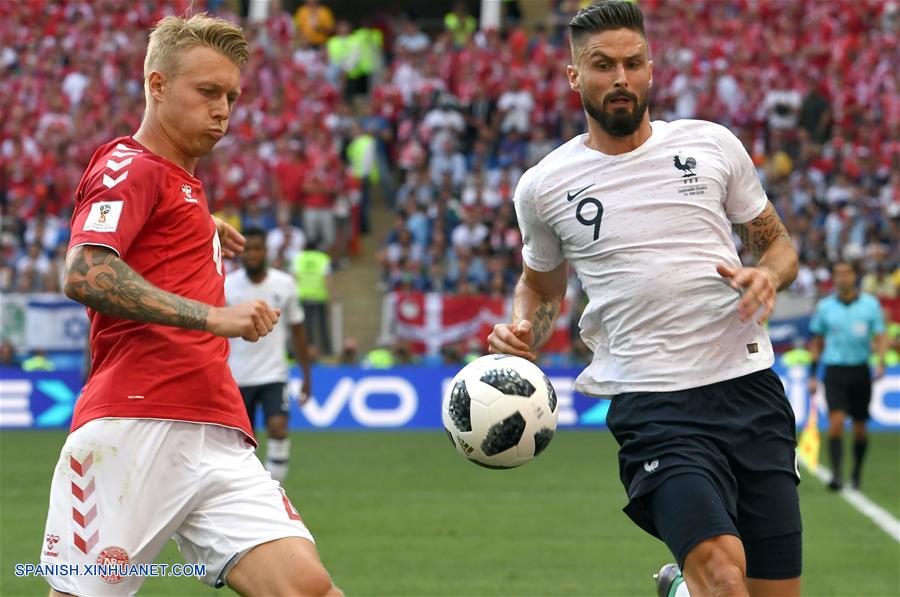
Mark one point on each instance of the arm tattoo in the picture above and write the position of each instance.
(743, 234)
(759, 234)
(543, 321)
(97, 278)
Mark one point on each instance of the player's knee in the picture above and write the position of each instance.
(717, 566)
(277, 427)
(277, 431)
(727, 580)
(316, 583)
(309, 583)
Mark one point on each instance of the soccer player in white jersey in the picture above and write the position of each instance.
(644, 213)
(260, 368)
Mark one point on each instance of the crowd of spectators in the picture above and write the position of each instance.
(811, 88)
(441, 124)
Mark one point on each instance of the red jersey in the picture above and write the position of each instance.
(154, 215)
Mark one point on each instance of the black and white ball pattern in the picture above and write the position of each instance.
(500, 411)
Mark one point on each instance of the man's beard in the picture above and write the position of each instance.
(617, 122)
(255, 272)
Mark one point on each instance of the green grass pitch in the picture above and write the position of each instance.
(403, 514)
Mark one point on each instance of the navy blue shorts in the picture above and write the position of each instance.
(732, 442)
(273, 398)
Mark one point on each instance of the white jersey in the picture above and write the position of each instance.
(261, 362)
(644, 231)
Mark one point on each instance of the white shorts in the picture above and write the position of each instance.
(123, 487)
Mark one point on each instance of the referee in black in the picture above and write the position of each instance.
(846, 326)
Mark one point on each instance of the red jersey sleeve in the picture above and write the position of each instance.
(115, 199)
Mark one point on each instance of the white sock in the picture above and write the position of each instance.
(682, 589)
(278, 451)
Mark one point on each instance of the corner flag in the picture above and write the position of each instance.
(808, 448)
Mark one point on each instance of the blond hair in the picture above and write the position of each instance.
(172, 36)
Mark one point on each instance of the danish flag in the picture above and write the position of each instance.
(431, 320)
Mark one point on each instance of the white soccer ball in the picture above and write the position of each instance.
(500, 411)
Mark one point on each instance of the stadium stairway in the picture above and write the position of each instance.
(356, 286)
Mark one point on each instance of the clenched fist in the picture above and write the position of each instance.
(251, 320)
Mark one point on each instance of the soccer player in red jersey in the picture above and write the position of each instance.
(160, 444)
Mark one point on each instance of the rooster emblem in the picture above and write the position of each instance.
(688, 166)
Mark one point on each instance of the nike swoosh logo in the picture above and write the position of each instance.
(570, 195)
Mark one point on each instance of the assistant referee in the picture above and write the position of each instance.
(846, 326)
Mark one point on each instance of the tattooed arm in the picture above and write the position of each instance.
(770, 244)
(536, 305)
(97, 278)
(776, 264)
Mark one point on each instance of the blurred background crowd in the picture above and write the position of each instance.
(349, 115)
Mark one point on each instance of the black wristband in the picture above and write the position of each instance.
(813, 368)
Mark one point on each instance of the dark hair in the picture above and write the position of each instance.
(604, 16)
(254, 231)
(852, 264)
